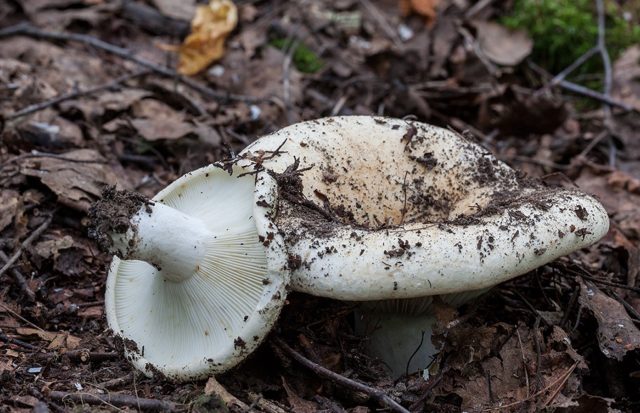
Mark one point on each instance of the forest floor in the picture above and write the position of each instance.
(79, 115)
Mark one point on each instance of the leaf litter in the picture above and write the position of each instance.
(564, 337)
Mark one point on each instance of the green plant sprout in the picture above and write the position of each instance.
(304, 59)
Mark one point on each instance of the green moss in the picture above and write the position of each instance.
(304, 59)
(562, 30)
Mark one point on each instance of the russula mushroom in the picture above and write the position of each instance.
(352, 208)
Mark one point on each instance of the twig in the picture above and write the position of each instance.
(25, 244)
(265, 404)
(476, 8)
(118, 381)
(581, 90)
(582, 155)
(427, 391)
(606, 88)
(114, 399)
(19, 278)
(630, 309)
(559, 382)
(38, 154)
(19, 317)
(27, 29)
(573, 66)
(17, 342)
(524, 362)
(73, 95)
(372, 392)
(536, 342)
(82, 355)
(291, 45)
(382, 21)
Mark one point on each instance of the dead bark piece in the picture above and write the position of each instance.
(617, 335)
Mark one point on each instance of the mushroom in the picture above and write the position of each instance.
(359, 208)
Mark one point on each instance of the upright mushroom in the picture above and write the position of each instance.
(352, 208)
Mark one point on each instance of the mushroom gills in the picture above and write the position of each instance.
(191, 288)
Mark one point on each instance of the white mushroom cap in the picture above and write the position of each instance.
(358, 208)
(204, 290)
(422, 210)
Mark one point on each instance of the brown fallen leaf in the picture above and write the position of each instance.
(182, 10)
(51, 248)
(30, 332)
(626, 77)
(297, 403)
(77, 178)
(621, 204)
(9, 202)
(155, 120)
(505, 358)
(617, 334)
(501, 45)
(64, 341)
(209, 29)
(91, 312)
(6, 365)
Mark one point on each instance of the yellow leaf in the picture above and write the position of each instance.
(209, 29)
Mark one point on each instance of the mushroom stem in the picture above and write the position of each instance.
(172, 241)
(401, 341)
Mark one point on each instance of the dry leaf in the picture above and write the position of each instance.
(91, 312)
(426, 8)
(52, 247)
(209, 29)
(64, 341)
(617, 334)
(297, 403)
(77, 177)
(155, 120)
(501, 45)
(8, 207)
(181, 10)
(626, 77)
(6, 365)
(28, 331)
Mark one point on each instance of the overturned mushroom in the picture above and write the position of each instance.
(351, 208)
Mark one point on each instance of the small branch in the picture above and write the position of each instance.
(374, 393)
(26, 29)
(382, 21)
(19, 279)
(264, 404)
(117, 382)
(25, 244)
(19, 317)
(73, 95)
(120, 400)
(83, 355)
(581, 90)
(573, 66)
(17, 342)
(38, 154)
(606, 89)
